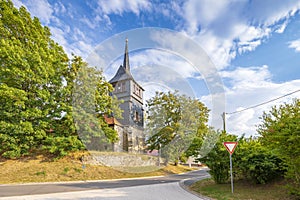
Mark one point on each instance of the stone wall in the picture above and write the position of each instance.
(121, 160)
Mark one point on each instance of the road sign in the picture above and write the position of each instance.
(230, 146)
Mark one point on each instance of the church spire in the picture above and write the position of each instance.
(126, 57)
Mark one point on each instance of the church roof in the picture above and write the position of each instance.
(126, 57)
(123, 72)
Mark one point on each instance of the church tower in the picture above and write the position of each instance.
(131, 93)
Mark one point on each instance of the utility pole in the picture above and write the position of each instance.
(224, 121)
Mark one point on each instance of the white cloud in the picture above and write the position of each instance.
(242, 123)
(58, 36)
(84, 47)
(282, 27)
(248, 77)
(219, 50)
(227, 27)
(78, 35)
(160, 67)
(120, 6)
(89, 23)
(80, 45)
(247, 121)
(269, 12)
(249, 87)
(166, 59)
(182, 45)
(18, 3)
(295, 44)
(203, 13)
(41, 9)
(59, 8)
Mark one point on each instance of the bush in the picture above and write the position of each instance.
(258, 163)
(60, 146)
(217, 159)
(250, 161)
(293, 176)
(280, 133)
(263, 167)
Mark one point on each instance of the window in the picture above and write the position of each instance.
(123, 88)
(136, 116)
(137, 90)
(120, 87)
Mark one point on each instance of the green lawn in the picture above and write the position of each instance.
(242, 190)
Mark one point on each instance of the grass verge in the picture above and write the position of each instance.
(41, 168)
(242, 190)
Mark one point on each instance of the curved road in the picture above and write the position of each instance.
(167, 187)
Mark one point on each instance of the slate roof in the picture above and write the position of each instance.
(126, 57)
(122, 74)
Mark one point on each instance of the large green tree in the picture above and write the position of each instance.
(280, 132)
(174, 122)
(37, 81)
(91, 103)
(32, 71)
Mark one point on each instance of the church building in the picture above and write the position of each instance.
(131, 127)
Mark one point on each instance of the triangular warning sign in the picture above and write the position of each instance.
(230, 146)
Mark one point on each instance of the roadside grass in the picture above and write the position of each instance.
(41, 168)
(242, 190)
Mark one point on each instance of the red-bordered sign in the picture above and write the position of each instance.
(230, 146)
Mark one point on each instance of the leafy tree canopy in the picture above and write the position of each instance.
(36, 88)
(173, 122)
(280, 132)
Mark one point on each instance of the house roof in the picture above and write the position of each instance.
(111, 120)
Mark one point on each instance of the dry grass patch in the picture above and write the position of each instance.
(46, 169)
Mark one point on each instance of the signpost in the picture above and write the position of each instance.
(230, 146)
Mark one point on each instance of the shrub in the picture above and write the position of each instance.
(280, 133)
(263, 167)
(218, 159)
(256, 162)
(60, 146)
(250, 160)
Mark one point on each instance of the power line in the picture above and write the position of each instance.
(264, 102)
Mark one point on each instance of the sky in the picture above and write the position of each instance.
(231, 54)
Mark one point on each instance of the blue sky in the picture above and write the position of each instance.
(254, 45)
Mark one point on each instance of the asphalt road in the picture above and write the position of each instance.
(146, 188)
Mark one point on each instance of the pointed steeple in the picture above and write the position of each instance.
(126, 57)
(123, 72)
